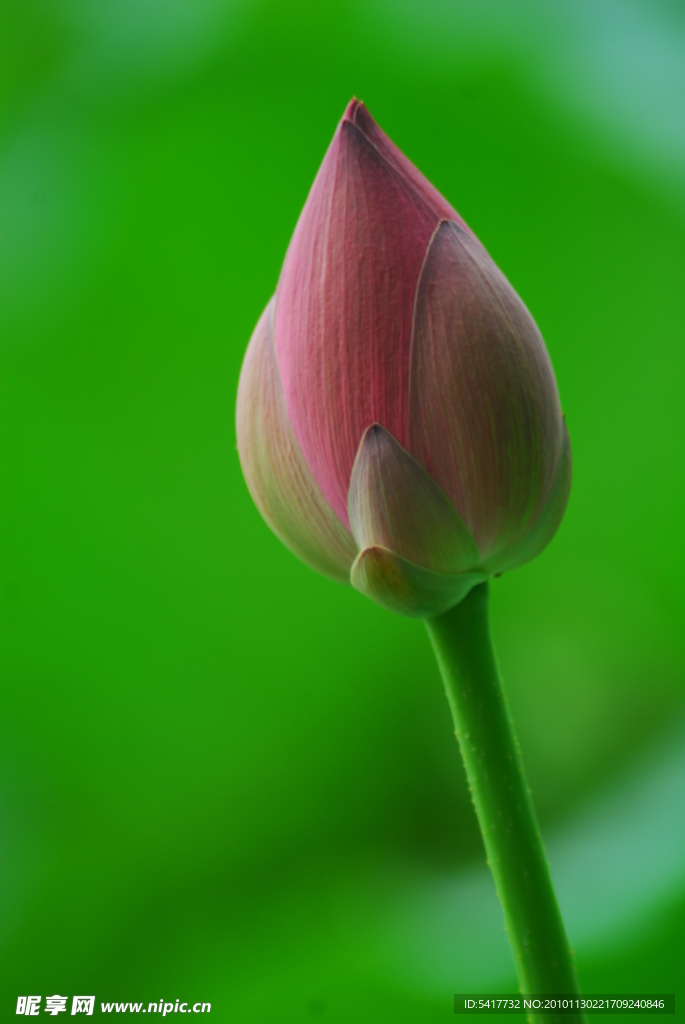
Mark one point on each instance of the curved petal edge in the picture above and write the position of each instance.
(545, 526)
(277, 475)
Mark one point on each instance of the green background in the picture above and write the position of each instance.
(222, 777)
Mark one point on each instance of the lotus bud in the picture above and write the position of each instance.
(398, 419)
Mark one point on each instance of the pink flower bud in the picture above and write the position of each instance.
(398, 419)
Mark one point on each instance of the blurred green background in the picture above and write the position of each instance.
(222, 777)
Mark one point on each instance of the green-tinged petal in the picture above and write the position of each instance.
(394, 504)
(484, 414)
(277, 475)
(409, 589)
(545, 526)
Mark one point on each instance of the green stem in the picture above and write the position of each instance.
(462, 643)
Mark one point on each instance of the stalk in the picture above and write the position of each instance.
(515, 854)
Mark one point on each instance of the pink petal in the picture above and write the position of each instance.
(345, 299)
(484, 416)
(359, 115)
(394, 504)
(277, 475)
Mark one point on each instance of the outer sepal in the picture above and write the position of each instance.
(406, 588)
(393, 503)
